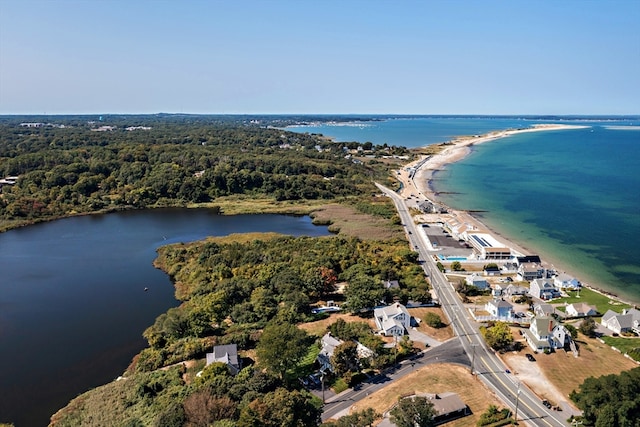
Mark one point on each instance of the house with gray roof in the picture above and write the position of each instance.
(543, 289)
(477, 281)
(499, 308)
(545, 333)
(392, 320)
(628, 321)
(564, 281)
(543, 309)
(227, 354)
(529, 271)
(580, 309)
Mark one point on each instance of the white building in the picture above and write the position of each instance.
(580, 310)
(545, 333)
(392, 320)
(564, 281)
(487, 247)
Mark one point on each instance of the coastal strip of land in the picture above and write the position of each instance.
(421, 181)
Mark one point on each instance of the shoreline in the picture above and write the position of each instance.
(459, 149)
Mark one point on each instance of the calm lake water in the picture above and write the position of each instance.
(72, 299)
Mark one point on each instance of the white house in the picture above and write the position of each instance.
(543, 289)
(564, 281)
(499, 308)
(580, 310)
(477, 281)
(545, 333)
(528, 271)
(392, 320)
(513, 290)
(329, 344)
(628, 321)
(227, 354)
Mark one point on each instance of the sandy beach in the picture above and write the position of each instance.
(457, 150)
(461, 147)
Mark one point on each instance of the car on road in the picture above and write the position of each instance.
(546, 403)
(507, 371)
(530, 357)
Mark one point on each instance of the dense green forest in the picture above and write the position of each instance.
(71, 165)
(610, 400)
(250, 290)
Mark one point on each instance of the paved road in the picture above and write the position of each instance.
(485, 363)
(338, 405)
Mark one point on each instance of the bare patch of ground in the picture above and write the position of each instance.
(554, 376)
(436, 378)
(319, 327)
(441, 334)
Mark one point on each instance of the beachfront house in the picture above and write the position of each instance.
(477, 281)
(564, 281)
(499, 308)
(227, 354)
(528, 258)
(392, 320)
(529, 271)
(628, 321)
(487, 247)
(580, 310)
(543, 289)
(546, 334)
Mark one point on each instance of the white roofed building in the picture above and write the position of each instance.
(393, 320)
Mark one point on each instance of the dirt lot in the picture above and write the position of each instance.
(437, 378)
(554, 376)
(441, 334)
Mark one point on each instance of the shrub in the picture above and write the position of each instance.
(433, 320)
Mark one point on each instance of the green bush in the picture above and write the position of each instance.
(433, 320)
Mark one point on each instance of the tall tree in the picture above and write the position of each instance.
(281, 347)
(345, 358)
(416, 411)
(281, 408)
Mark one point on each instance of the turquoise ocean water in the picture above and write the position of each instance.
(572, 196)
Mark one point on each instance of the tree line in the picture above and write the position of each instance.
(63, 171)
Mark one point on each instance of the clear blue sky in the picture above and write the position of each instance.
(299, 56)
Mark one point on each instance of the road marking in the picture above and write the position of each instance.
(522, 402)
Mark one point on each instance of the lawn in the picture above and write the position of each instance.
(436, 378)
(596, 359)
(625, 345)
(602, 302)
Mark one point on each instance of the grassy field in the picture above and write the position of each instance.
(625, 345)
(596, 359)
(441, 334)
(347, 220)
(436, 378)
(588, 296)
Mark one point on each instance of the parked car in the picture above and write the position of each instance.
(530, 357)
